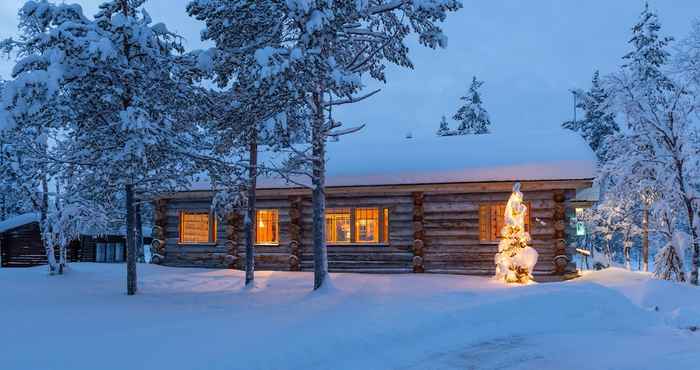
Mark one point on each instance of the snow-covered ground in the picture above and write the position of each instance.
(203, 319)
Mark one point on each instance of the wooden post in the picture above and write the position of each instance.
(295, 228)
(418, 233)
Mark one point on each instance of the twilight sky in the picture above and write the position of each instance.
(530, 53)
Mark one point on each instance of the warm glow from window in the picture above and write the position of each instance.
(385, 222)
(367, 225)
(492, 220)
(267, 230)
(196, 228)
(338, 225)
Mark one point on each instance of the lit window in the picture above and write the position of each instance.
(385, 224)
(197, 228)
(580, 226)
(267, 229)
(492, 220)
(367, 225)
(338, 225)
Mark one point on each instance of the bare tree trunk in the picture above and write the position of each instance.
(627, 248)
(61, 258)
(645, 240)
(250, 211)
(131, 285)
(3, 198)
(61, 242)
(695, 261)
(46, 229)
(138, 234)
(319, 195)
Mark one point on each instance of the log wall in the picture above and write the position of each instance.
(429, 231)
(22, 247)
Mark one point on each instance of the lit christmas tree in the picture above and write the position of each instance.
(515, 260)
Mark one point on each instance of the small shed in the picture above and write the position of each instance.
(21, 244)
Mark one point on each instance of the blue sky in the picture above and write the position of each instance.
(530, 53)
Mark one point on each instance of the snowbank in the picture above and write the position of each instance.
(197, 318)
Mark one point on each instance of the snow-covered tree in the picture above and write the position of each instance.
(472, 117)
(250, 115)
(12, 202)
(444, 129)
(661, 141)
(313, 54)
(112, 87)
(25, 178)
(598, 122)
(515, 260)
(669, 259)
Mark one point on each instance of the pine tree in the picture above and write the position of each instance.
(649, 54)
(114, 88)
(444, 129)
(472, 117)
(598, 122)
(313, 56)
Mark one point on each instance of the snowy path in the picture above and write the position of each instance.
(202, 319)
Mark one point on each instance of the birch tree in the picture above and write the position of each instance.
(659, 107)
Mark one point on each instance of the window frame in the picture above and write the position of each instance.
(213, 226)
(490, 205)
(383, 230)
(376, 237)
(351, 221)
(277, 221)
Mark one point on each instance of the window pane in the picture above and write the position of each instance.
(267, 229)
(580, 229)
(194, 227)
(492, 220)
(338, 225)
(367, 225)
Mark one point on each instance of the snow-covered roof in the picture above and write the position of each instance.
(360, 159)
(591, 194)
(116, 230)
(17, 221)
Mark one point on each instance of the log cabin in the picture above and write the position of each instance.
(21, 244)
(408, 205)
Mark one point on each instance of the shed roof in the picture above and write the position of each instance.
(17, 221)
(361, 160)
